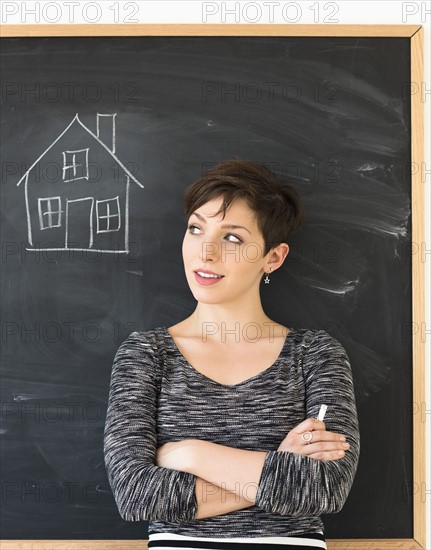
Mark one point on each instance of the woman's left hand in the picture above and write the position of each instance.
(319, 444)
(175, 455)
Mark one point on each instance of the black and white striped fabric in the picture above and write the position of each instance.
(167, 541)
(156, 396)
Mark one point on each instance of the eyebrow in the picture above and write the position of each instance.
(224, 226)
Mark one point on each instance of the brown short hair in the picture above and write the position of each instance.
(277, 206)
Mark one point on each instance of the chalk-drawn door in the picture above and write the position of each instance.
(79, 223)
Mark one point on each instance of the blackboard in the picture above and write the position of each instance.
(138, 118)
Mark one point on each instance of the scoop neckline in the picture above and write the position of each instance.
(248, 380)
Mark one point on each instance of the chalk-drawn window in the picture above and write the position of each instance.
(108, 215)
(75, 165)
(49, 212)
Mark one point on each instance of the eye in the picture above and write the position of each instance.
(238, 239)
(190, 227)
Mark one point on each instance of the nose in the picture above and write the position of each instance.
(209, 251)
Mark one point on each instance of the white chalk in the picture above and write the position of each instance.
(322, 412)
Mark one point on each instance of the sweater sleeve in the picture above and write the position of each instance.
(142, 490)
(297, 485)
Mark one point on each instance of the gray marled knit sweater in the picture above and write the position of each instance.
(156, 396)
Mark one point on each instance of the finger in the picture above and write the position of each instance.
(310, 424)
(326, 446)
(333, 455)
(324, 450)
(323, 435)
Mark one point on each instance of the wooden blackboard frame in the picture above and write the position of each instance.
(415, 34)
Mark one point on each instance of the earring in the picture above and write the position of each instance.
(267, 278)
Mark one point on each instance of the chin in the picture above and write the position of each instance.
(203, 296)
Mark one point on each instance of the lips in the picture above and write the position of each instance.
(208, 272)
(207, 281)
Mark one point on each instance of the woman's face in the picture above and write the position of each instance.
(233, 252)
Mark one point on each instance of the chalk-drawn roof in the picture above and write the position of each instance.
(76, 118)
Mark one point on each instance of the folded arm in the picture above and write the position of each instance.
(224, 473)
(281, 481)
(142, 490)
(214, 501)
(297, 485)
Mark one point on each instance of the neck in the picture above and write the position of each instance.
(218, 322)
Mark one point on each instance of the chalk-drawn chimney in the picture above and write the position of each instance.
(106, 129)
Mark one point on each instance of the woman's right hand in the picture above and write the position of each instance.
(317, 443)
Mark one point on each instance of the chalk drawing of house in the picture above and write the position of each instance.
(77, 192)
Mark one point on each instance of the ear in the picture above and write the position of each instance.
(277, 255)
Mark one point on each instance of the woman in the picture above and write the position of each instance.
(211, 431)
